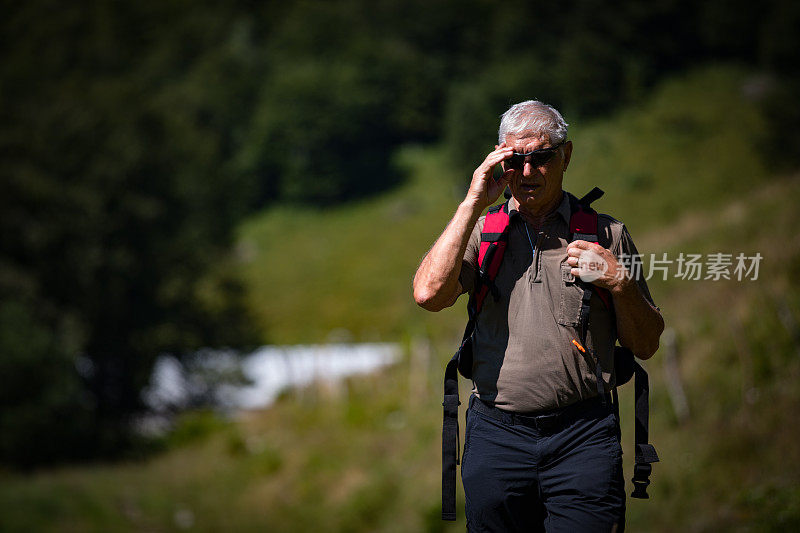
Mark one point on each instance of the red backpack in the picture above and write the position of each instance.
(494, 240)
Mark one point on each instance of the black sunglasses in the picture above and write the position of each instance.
(537, 158)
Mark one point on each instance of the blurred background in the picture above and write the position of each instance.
(211, 213)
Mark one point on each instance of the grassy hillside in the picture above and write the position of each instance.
(694, 143)
(683, 170)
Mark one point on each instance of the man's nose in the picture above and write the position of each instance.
(529, 170)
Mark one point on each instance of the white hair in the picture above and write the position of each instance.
(536, 117)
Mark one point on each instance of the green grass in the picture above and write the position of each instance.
(681, 170)
(313, 271)
(693, 144)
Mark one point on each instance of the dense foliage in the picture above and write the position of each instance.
(364, 454)
(135, 136)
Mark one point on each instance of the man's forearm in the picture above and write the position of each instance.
(639, 324)
(436, 281)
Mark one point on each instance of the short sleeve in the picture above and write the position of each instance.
(628, 255)
(469, 265)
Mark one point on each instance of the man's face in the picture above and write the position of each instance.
(538, 188)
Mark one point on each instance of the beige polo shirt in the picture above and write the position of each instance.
(524, 358)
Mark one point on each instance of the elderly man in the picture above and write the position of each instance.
(529, 367)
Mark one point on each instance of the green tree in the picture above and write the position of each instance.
(118, 210)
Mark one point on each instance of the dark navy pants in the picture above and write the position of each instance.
(556, 473)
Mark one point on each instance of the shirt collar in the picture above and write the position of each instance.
(563, 208)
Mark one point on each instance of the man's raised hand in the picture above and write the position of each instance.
(484, 190)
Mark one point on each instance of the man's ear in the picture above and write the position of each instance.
(567, 154)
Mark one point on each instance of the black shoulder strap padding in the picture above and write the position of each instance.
(591, 196)
(493, 237)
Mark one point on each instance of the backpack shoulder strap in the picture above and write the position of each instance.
(583, 226)
(583, 219)
(494, 241)
(645, 453)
